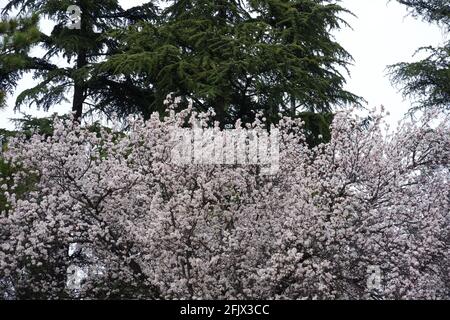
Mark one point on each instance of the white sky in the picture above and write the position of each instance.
(382, 34)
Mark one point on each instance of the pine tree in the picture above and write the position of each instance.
(241, 57)
(83, 48)
(428, 80)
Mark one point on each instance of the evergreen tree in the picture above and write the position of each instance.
(241, 57)
(428, 80)
(83, 48)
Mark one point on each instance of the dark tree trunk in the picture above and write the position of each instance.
(78, 100)
(79, 90)
(219, 108)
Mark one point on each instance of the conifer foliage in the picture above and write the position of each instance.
(427, 81)
(242, 57)
(237, 57)
(81, 48)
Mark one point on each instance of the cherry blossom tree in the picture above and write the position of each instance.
(111, 216)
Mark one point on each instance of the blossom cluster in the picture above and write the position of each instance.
(113, 209)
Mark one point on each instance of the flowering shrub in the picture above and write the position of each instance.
(110, 216)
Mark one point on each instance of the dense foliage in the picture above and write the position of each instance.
(67, 57)
(242, 57)
(110, 216)
(427, 81)
(237, 57)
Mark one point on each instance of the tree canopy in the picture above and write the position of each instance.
(241, 57)
(81, 48)
(427, 81)
(237, 57)
(112, 218)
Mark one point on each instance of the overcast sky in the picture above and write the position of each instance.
(382, 34)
